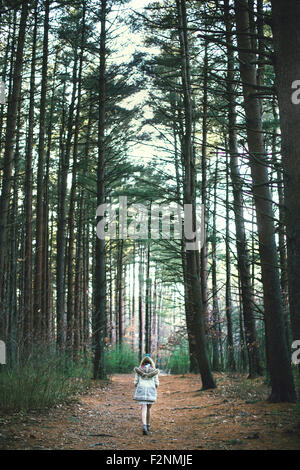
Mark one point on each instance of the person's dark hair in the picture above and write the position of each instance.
(146, 360)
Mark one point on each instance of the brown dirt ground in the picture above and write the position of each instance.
(234, 416)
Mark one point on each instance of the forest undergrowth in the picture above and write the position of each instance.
(236, 415)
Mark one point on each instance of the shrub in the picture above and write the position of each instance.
(178, 362)
(121, 359)
(43, 380)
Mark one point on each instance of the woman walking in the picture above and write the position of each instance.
(146, 382)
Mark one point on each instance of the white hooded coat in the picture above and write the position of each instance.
(146, 382)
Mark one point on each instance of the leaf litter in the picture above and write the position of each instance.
(236, 415)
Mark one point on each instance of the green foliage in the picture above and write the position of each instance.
(121, 360)
(178, 362)
(45, 379)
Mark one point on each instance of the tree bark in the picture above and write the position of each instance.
(61, 222)
(141, 288)
(195, 300)
(228, 300)
(70, 281)
(238, 207)
(11, 123)
(203, 252)
(39, 265)
(148, 303)
(215, 305)
(279, 364)
(100, 285)
(285, 24)
(27, 326)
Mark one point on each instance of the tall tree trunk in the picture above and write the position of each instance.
(238, 207)
(215, 306)
(285, 24)
(281, 234)
(46, 281)
(203, 252)
(110, 321)
(78, 324)
(194, 366)
(99, 285)
(133, 301)
(86, 272)
(196, 306)
(148, 302)
(12, 310)
(38, 268)
(86, 242)
(10, 47)
(279, 364)
(242, 342)
(119, 292)
(70, 281)
(141, 303)
(228, 300)
(154, 313)
(61, 222)
(27, 327)
(11, 122)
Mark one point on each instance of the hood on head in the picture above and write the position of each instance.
(149, 359)
(146, 374)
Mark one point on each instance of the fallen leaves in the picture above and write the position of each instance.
(181, 418)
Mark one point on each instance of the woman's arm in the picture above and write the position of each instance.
(156, 381)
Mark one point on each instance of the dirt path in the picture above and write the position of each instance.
(234, 416)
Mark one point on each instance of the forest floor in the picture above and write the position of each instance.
(236, 415)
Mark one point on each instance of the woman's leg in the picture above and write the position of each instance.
(148, 414)
(144, 414)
